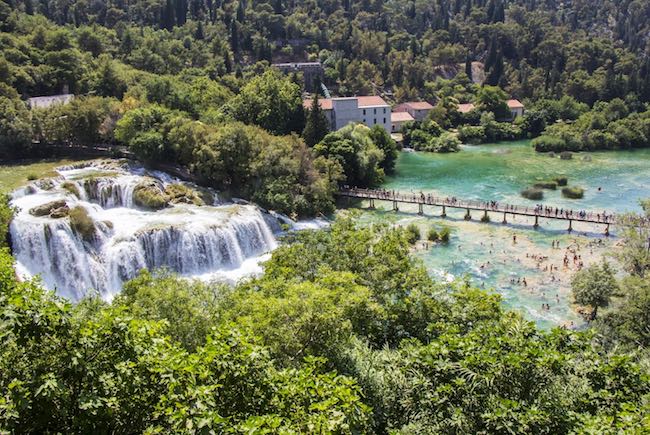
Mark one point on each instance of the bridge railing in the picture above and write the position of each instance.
(429, 199)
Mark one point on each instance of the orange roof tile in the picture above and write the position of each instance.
(369, 101)
(465, 107)
(401, 117)
(419, 105)
(514, 104)
(324, 103)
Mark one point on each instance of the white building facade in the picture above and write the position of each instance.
(368, 110)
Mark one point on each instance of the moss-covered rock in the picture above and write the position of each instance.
(182, 194)
(71, 188)
(552, 185)
(82, 224)
(573, 192)
(54, 209)
(532, 193)
(150, 195)
(561, 181)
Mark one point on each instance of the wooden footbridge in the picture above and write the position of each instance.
(422, 199)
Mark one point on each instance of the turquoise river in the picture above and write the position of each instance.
(488, 254)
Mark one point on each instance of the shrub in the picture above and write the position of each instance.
(471, 134)
(444, 234)
(32, 177)
(561, 181)
(82, 224)
(412, 233)
(432, 235)
(532, 193)
(573, 192)
(545, 143)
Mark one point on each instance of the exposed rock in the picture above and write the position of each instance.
(48, 208)
(149, 194)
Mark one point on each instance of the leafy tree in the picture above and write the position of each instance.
(15, 128)
(385, 143)
(594, 287)
(353, 148)
(270, 101)
(493, 99)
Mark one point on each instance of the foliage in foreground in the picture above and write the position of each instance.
(344, 333)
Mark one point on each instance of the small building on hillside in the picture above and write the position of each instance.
(341, 111)
(49, 101)
(417, 109)
(397, 119)
(515, 106)
(466, 107)
(309, 70)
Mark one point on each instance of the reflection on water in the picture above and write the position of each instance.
(486, 252)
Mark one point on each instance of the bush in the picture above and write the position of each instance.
(545, 143)
(444, 234)
(561, 181)
(82, 224)
(432, 235)
(573, 192)
(412, 233)
(32, 177)
(532, 193)
(471, 134)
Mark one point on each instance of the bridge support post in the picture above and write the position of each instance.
(444, 212)
(420, 209)
(372, 204)
(536, 225)
(504, 219)
(570, 225)
(607, 230)
(468, 216)
(395, 208)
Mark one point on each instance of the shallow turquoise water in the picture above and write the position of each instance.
(486, 253)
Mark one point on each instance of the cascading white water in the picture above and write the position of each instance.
(194, 241)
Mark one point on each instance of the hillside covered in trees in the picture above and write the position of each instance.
(591, 50)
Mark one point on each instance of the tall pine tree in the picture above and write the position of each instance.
(317, 125)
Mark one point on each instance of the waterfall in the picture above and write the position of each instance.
(187, 239)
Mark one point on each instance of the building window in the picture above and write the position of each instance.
(375, 110)
(384, 110)
(374, 121)
(364, 112)
(384, 120)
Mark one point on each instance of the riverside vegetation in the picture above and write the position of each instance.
(344, 333)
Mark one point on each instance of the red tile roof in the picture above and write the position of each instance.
(465, 107)
(371, 101)
(401, 117)
(419, 105)
(365, 101)
(514, 104)
(324, 103)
